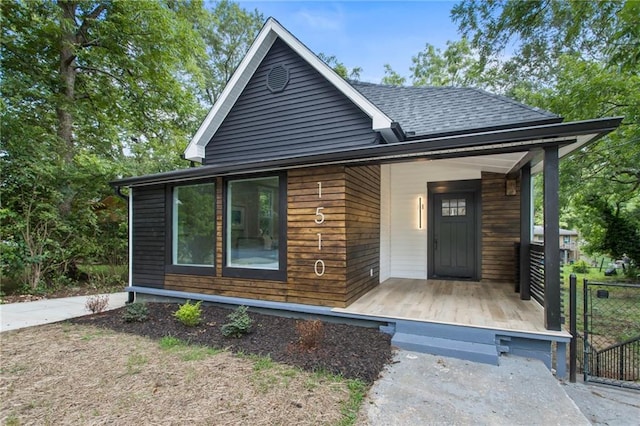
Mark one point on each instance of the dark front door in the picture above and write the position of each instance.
(454, 237)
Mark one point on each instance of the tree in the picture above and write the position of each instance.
(227, 31)
(392, 78)
(91, 90)
(456, 66)
(580, 60)
(340, 68)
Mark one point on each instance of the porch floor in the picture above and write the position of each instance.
(475, 304)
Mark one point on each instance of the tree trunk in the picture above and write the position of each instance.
(67, 91)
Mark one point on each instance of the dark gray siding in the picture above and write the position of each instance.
(149, 236)
(310, 116)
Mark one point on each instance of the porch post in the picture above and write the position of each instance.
(525, 231)
(551, 240)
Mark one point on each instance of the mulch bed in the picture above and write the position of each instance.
(350, 351)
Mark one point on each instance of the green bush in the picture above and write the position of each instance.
(239, 323)
(188, 314)
(135, 312)
(581, 267)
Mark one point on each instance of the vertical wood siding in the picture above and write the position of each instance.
(309, 116)
(148, 236)
(500, 229)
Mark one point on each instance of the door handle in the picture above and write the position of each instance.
(435, 243)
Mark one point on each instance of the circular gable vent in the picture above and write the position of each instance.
(278, 78)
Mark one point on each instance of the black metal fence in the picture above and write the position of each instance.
(607, 334)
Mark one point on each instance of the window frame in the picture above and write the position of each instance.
(170, 267)
(279, 274)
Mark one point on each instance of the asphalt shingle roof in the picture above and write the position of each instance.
(444, 110)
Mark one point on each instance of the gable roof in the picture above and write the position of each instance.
(271, 31)
(422, 111)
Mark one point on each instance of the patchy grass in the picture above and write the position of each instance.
(54, 374)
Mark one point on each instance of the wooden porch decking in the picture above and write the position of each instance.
(486, 304)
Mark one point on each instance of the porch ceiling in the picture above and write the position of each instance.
(496, 163)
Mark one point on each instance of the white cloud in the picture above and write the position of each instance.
(322, 18)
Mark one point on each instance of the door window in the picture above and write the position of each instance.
(454, 207)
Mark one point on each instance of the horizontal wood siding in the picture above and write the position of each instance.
(232, 287)
(500, 229)
(305, 286)
(363, 229)
(309, 116)
(149, 238)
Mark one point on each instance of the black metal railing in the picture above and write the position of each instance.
(536, 272)
(619, 362)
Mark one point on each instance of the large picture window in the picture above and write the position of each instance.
(253, 234)
(194, 225)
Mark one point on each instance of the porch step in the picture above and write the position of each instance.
(470, 351)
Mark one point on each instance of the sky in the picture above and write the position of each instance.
(366, 34)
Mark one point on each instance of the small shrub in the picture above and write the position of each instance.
(135, 312)
(310, 334)
(188, 314)
(239, 323)
(97, 304)
(581, 267)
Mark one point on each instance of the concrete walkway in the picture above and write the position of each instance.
(27, 314)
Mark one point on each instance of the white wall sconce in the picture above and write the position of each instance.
(420, 210)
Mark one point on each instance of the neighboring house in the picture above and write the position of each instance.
(314, 190)
(568, 242)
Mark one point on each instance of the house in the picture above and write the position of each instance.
(400, 206)
(568, 243)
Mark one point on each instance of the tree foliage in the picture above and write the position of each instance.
(91, 90)
(340, 68)
(457, 65)
(578, 59)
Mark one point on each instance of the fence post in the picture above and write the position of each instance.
(573, 345)
(586, 362)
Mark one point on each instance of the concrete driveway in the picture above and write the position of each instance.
(27, 314)
(421, 389)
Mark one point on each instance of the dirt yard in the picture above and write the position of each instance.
(100, 370)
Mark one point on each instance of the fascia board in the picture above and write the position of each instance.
(565, 150)
(258, 50)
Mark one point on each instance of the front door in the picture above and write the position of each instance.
(454, 235)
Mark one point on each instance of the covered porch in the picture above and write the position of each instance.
(467, 303)
(478, 321)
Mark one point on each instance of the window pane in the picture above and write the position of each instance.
(194, 225)
(253, 232)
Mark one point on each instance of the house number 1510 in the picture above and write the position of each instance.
(319, 267)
